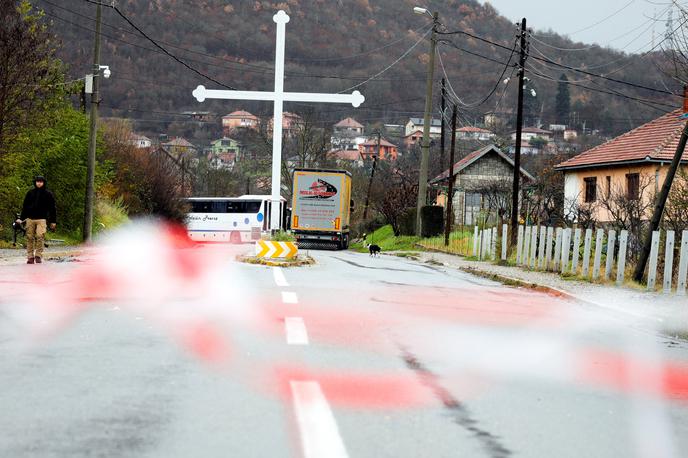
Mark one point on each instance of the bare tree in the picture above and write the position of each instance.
(676, 211)
(629, 210)
(30, 74)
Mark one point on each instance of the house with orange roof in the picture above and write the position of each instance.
(388, 151)
(413, 138)
(482, 186)
(634, 164)
(239, 120)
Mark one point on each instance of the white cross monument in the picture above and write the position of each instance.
(279, 97)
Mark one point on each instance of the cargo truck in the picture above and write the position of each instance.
(321, 208)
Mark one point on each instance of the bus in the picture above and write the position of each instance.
(231, 219)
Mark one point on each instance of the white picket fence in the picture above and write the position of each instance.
(559, 250)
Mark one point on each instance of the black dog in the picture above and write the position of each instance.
(374, 250)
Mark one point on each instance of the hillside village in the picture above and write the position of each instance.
(351, 143)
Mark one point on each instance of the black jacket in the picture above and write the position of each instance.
(39, 203)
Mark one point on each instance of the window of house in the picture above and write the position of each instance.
(591, 189)
(633, 186)
(609, 186)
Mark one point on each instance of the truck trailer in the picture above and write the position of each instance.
(321, 208)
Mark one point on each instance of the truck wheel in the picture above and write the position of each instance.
(235, 238)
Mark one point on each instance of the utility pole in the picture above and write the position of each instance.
(443, 93)
(372, 175)
(519, 131)
(660, 203)
(91, 161)
(450, 191)
(425, 146)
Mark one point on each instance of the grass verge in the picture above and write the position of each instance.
(384, 237)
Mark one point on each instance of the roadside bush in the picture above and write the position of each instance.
(109, 214)
(407, 222)
(283, 236)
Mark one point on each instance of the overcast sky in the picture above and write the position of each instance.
(620, 24)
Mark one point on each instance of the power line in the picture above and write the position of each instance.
(160, 47)
(603, 20)
(587, 48)
(494, 89)
(648, 103)
(252, 67)
(365, 53)
(406, 53)
(561, 65)
(615, 80)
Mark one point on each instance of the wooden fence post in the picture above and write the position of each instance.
(598, 254)
(586, 252)
(533, 247)
(683, 264)
(654, 252)
(526, 246)
(557, 249)
(576, 251)
(541, 250)
(475, 241)
(565, 248)
(621, 264)
(519, 245)
(493, 253)
(505, 244)
(611, 244)
(548, 248)
(668, 261)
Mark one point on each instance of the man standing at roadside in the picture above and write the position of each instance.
(38, 211)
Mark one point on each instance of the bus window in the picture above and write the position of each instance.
(252, 206)
(199, 206)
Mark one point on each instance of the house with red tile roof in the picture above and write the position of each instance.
(346, 156)
(348, 126)
(634, 164)
(414, 138)
(291, 123)
(482, 172)
(347, 134)
(239, 120)
(388, 151)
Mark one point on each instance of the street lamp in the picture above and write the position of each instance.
(425, 145)
(106, 71)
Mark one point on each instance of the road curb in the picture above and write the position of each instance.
(511, 281)
(307, 261)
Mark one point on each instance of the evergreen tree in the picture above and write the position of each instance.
(563, 100)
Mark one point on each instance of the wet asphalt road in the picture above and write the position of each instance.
(381, 357)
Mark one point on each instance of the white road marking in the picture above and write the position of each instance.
(317, 426)
(289, 297)
(296, 330)
(279, 276)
